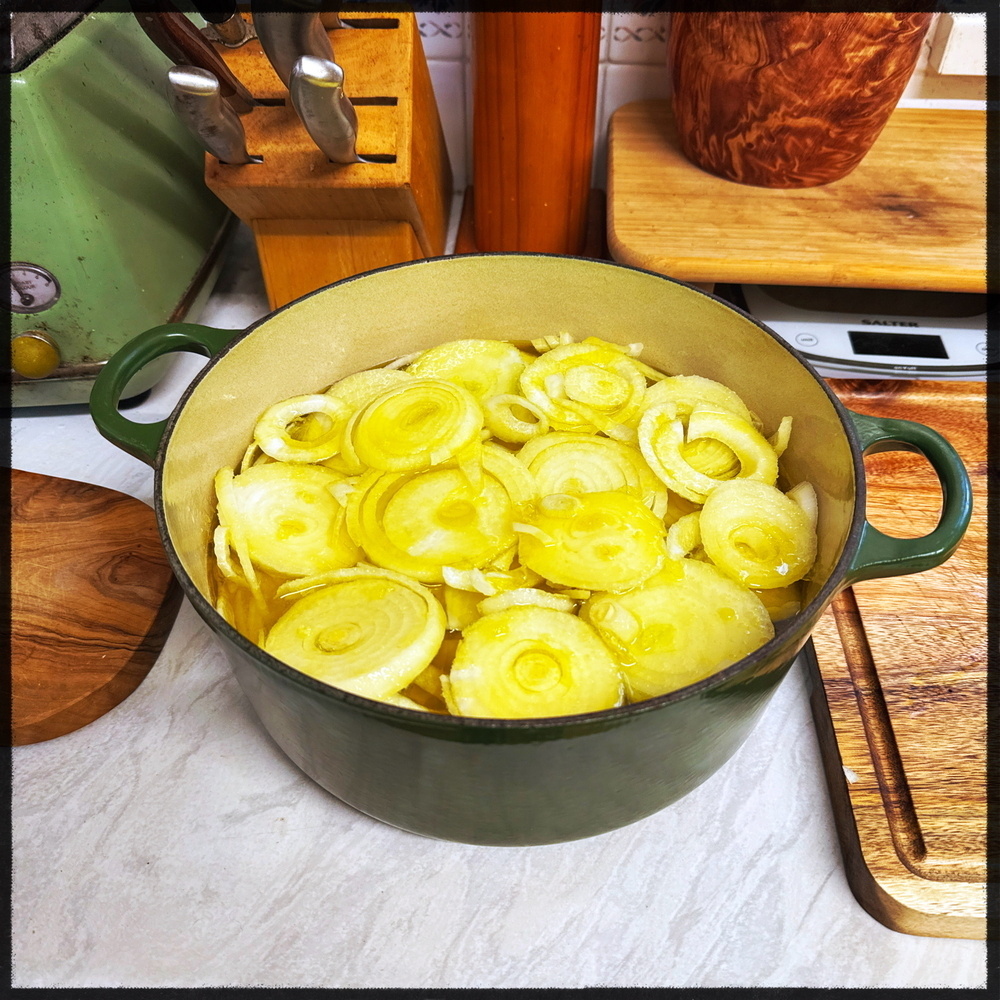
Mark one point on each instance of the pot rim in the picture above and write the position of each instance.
(584, 720)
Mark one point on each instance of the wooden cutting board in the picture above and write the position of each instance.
(899, 693)
(911, 215)
(92, 601)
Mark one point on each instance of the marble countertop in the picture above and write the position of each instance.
(170, 843)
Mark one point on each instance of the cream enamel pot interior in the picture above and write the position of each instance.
(513, 781)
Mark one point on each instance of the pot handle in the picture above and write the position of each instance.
(880, 555)
(142, 441)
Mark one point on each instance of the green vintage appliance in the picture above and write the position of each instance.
(112, 227)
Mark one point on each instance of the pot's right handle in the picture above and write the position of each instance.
(881, 555)
(143, 440)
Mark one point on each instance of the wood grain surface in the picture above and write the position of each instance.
(534, 108)
(92, 601)
(595, 244)
(911, 215)
(788, 99)
(900, 685)
(301, 255)
(298, 191)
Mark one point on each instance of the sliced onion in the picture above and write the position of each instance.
(547, 343)
(235, 533)
(367, 631)
(525, 596)
(686, 623)
(753, 452)
(684, 536)
(359, 389)
(595, 541)
(779, 439)
(689, 392)
(500, 414)
(422, 423)
(284, 518)
(605, 388)
(303, 428)
(461, 607)
(804, 494)
(400, 700)
(484, 367)
(564, 462)
(420, 523)
(757, 535)
(663, 441)
(531, 662)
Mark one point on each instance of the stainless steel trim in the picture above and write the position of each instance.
(195, 96)
(317, 93)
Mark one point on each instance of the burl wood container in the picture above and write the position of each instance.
(788, 100)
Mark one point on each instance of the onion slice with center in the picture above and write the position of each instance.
(594, 541)
(303, 428)
(530, 662)
(365, 630)
(687, 622)
(757, 535)
(421, 423)
(286, 517)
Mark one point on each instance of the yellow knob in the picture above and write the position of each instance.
(34, 354)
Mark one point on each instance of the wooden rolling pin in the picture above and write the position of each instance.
(534, 108)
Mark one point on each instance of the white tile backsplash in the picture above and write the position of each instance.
(633, 67)
(448, 78)
(633, 82)
(638, 38)
(605, 34)
(624, 82)
(443, 35)
(597, 177)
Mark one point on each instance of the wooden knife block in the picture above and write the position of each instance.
(314, 221)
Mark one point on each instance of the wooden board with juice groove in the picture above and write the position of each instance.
(911, 215)
(899, 685)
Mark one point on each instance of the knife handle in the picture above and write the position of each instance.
(287, 34)
(181, 42)
(196, 98)
(316, 88)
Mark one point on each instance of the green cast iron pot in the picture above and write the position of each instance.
(503, 781)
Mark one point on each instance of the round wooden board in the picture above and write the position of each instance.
(92, 601)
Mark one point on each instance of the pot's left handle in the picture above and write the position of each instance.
(143, 440)
(880, 555)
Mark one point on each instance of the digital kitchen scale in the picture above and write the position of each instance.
(876, 333)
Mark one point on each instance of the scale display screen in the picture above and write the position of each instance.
(897, 345)
(875, 332)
